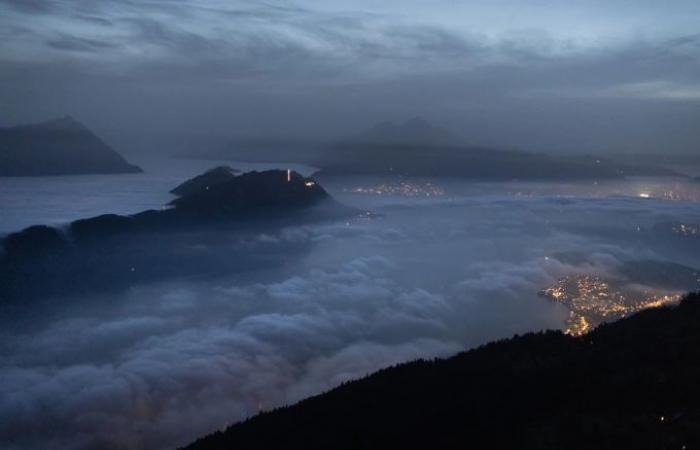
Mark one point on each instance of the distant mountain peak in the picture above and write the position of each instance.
(66, 122)
(211, 177)
(60, 146)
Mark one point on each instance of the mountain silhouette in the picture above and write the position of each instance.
(191, 236)
(61, 146)
(211, 177)
(418, 148)
(628, 384)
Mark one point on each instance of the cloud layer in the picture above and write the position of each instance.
(432, 277)
(602, 77)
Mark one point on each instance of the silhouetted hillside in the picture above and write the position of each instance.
(57, 147)
(271, 191)
(355, 158)
(418, 148)
(211, 177)
(189, 237)
(629, 384)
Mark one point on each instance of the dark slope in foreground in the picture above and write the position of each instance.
(630, 384)
(57, 147)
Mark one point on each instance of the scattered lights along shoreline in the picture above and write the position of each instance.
(402, 188)
(592, 301)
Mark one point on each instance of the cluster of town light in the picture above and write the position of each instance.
(592, 301)
(402, 188)
(686, 230)
(677, 192)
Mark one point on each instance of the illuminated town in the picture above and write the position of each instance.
(402, 188)
(686, 229)
(676, 192)
(592, 301)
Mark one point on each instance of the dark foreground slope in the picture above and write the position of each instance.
(630, 384)
(57, 147)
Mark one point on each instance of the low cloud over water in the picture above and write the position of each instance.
(429, 277)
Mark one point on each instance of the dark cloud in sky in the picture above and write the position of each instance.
(73, 43)
(28, 6)
(600, 77)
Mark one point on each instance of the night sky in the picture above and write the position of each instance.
(594, 76)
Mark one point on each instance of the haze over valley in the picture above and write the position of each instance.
(271, 316)
(210, 210)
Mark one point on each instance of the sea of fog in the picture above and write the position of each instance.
(445, 266)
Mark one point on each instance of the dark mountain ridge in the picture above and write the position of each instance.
(217, 175)
(419, 148)
(629, 384)
(352, 158)
(61, 146)
(185, 238)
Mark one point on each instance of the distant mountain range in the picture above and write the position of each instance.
(418, 148)
(673, 159)
(61, 146)
(629, 384)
